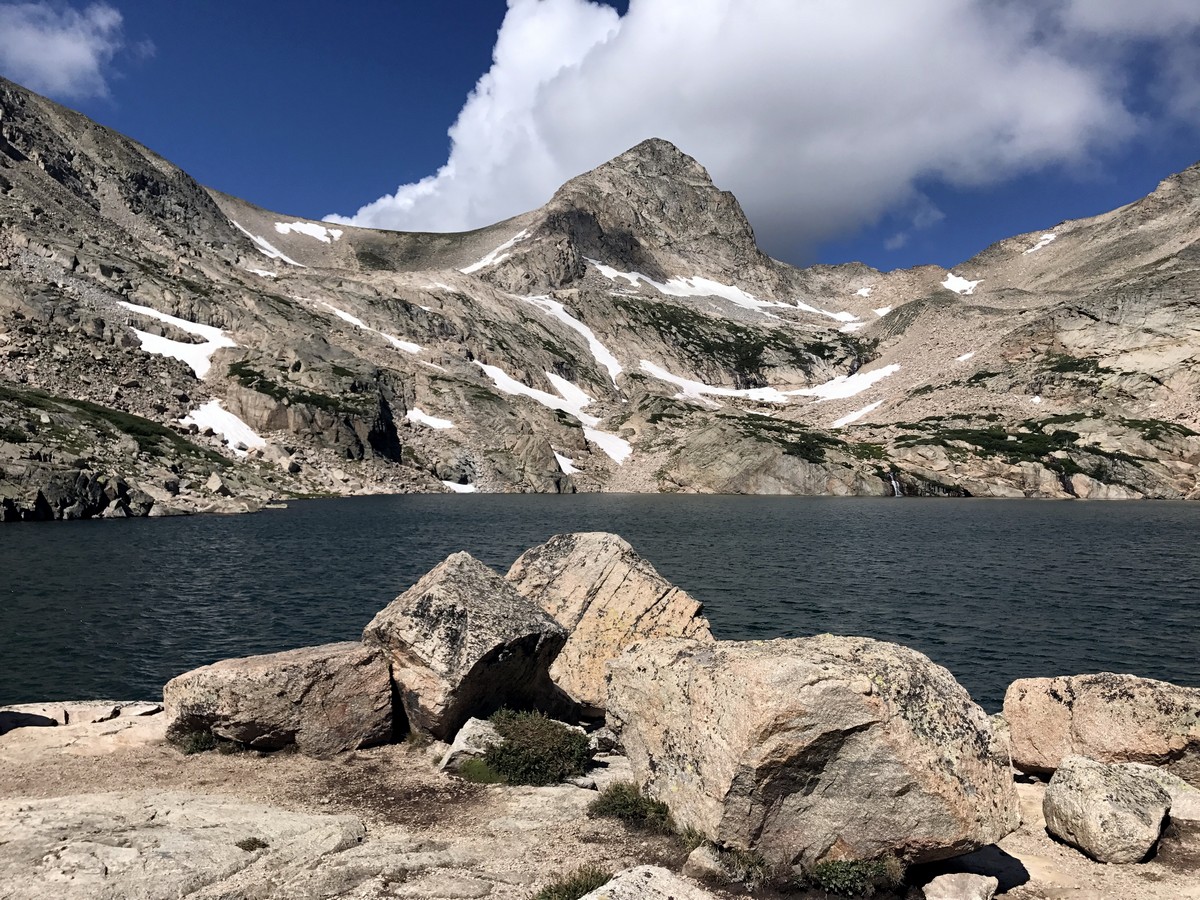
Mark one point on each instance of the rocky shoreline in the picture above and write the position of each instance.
(784, 768)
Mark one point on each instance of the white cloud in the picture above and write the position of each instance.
(819, 115)
(58, 50)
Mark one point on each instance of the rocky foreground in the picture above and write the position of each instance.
(346, 770)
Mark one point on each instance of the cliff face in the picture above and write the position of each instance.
(628, 335)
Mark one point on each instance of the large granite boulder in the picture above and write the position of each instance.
(813, 749)
(607, 597)
(462, 642)
(322, 699)
(1106, 717)
(1111, 812)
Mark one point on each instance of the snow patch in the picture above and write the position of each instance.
(234, 430)
(1035, 399)
(406, 346)
(566, 464)
(570, 399)
(882, 311)
(964, 357)
(836, 316)
(856, 415)
(416, 414)
(601, 353)
(695, 286)
(498, 255)
(461, 488)
(197, 356)
(852, 327)
(265, 247)
(697, 390)
(863, 292)
(312, 229)
(958, 284)
(262, 273)
(846, 385)
(1045, 239)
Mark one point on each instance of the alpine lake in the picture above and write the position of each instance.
(993, 590)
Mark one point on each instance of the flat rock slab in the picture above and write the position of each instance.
(72, 712)
(151, 845)
(1105, 717)
(324, 700)
(607, 597)
(462, 642)
(812, 749)
(1179, 846)
(649, 883)
(1111, 812)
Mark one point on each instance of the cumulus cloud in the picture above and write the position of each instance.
(820, 115)
(58, 50)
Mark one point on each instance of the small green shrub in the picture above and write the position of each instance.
(251, 844)
(417, 740)
(582, 881)
(199, 741)
(536, 749)
(622, 800)
(12, 434)
(478, 771)
(747, 867)
(857, 877)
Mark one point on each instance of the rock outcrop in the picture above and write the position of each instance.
(1111, 812)
(1179, 846)
(607, 597)
(462, 642)
(472, 741)
(961, 886)
(649, 883)
(812, 749)
(1105, 717)
(323, 700)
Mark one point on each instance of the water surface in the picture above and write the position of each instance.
(993, 590)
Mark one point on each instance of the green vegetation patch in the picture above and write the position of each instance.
(249, 377)
(582, 881)
(1074, 365)
(856, 878)
(478, 771)
(1154, 430)
(622, 800)
(12, 434)
(536, 750)
(738, 348)
(251, 844)
(796, 440)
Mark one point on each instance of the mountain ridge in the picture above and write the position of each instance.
(627, 335)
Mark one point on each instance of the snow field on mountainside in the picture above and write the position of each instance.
(312, 229)
(601, 353)
(498, 255)
(570, 399)
(234, 430)
(958, 284)
(419, 416)
(197, 356)
(856, 415)
(406, 346)
(265, 247)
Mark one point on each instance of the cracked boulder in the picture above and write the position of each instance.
(1113, 813)
(1105, 717)
(324, 700)
(463, 643)
(607, 597)
(813, 749)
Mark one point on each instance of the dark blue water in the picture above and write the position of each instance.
(993, 590)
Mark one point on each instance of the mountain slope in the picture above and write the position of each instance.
(629, 335)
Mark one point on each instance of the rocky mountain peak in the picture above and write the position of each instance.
(653, 209)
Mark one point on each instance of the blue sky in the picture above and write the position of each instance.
(917, 131)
